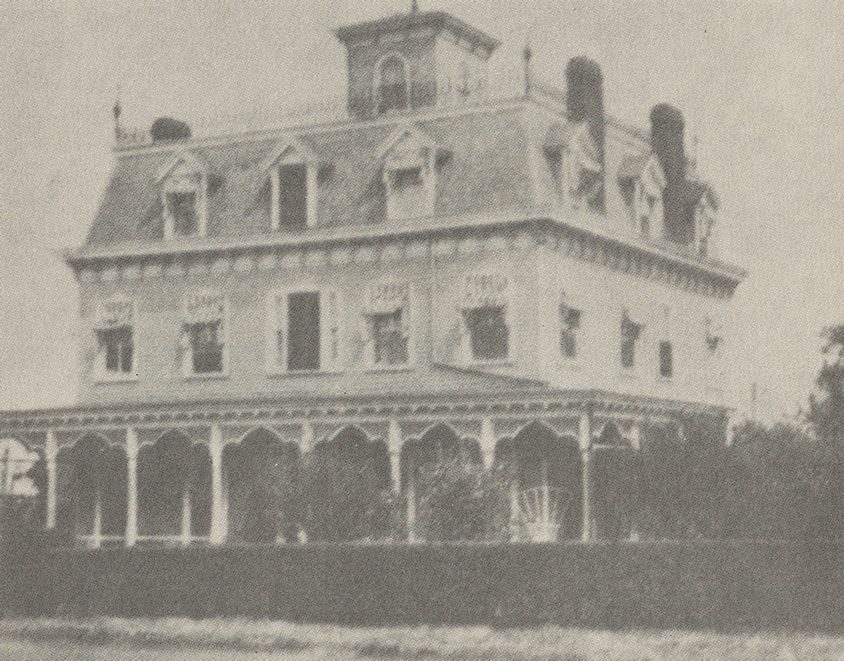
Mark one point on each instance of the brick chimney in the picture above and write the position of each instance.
(667, 127)
(585, 101)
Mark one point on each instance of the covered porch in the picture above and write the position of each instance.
(221, 472)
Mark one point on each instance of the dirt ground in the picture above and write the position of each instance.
(142, 640)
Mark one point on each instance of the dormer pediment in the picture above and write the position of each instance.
(289, 151)
(408, 146)
(182, 164)
(575, 138)
(646, 169)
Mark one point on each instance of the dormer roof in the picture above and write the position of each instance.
(644, 167)
(437, 20)
(287, 147)
(194, 163)
(407, 135)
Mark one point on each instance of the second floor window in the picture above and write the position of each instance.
(387, 317)
(630, 332)
(304, 332)
(569, 329)
(488, 333)
(115, 339)
(389, 341)
(666, 359)
(203, 334)
(206, 347)
(117, 350)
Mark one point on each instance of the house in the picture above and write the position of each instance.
(501, 277)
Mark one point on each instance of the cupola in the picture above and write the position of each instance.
(415, 60)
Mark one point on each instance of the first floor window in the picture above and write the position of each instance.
(569, 327)
(390, 345)
(630, 332)
(116, 350)
(488, 332)
(206, 343)
(666, 360)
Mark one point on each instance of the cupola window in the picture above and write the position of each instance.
(392, 85)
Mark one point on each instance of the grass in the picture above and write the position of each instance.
(422, 642)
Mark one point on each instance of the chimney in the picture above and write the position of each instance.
(585, 97)
(667, 142)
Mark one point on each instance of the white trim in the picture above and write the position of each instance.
(376, 84)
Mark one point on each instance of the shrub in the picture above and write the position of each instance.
(461, 501)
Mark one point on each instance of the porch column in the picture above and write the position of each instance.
(217, 534)
(585, 441)
(97, 533)
(131, 486)
(411, 499)
(394, 441)
(636, 444)
(487, 443)
(186, 512)
(50, 452)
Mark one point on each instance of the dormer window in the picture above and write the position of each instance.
(409, 171)
(292, 170)
(572, 159)
(183, 184)
(645, 178)
(392, 84)
(704, 225)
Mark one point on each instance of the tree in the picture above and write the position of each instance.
(826, 417)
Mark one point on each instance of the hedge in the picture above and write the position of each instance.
(700, 585)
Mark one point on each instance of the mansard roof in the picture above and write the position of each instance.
(487, 170)
(435, 19)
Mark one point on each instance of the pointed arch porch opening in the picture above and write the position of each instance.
(345, 489)
(260, 477)
(543, 470)
(614, 473)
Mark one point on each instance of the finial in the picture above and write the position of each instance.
(527, 54)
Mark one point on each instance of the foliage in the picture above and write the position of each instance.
(686, 480)
(343, 499)
(460, 501)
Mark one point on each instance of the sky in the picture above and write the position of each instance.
(761, 85)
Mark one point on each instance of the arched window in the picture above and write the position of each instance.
(392, 85)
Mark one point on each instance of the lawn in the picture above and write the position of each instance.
(112, 638)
